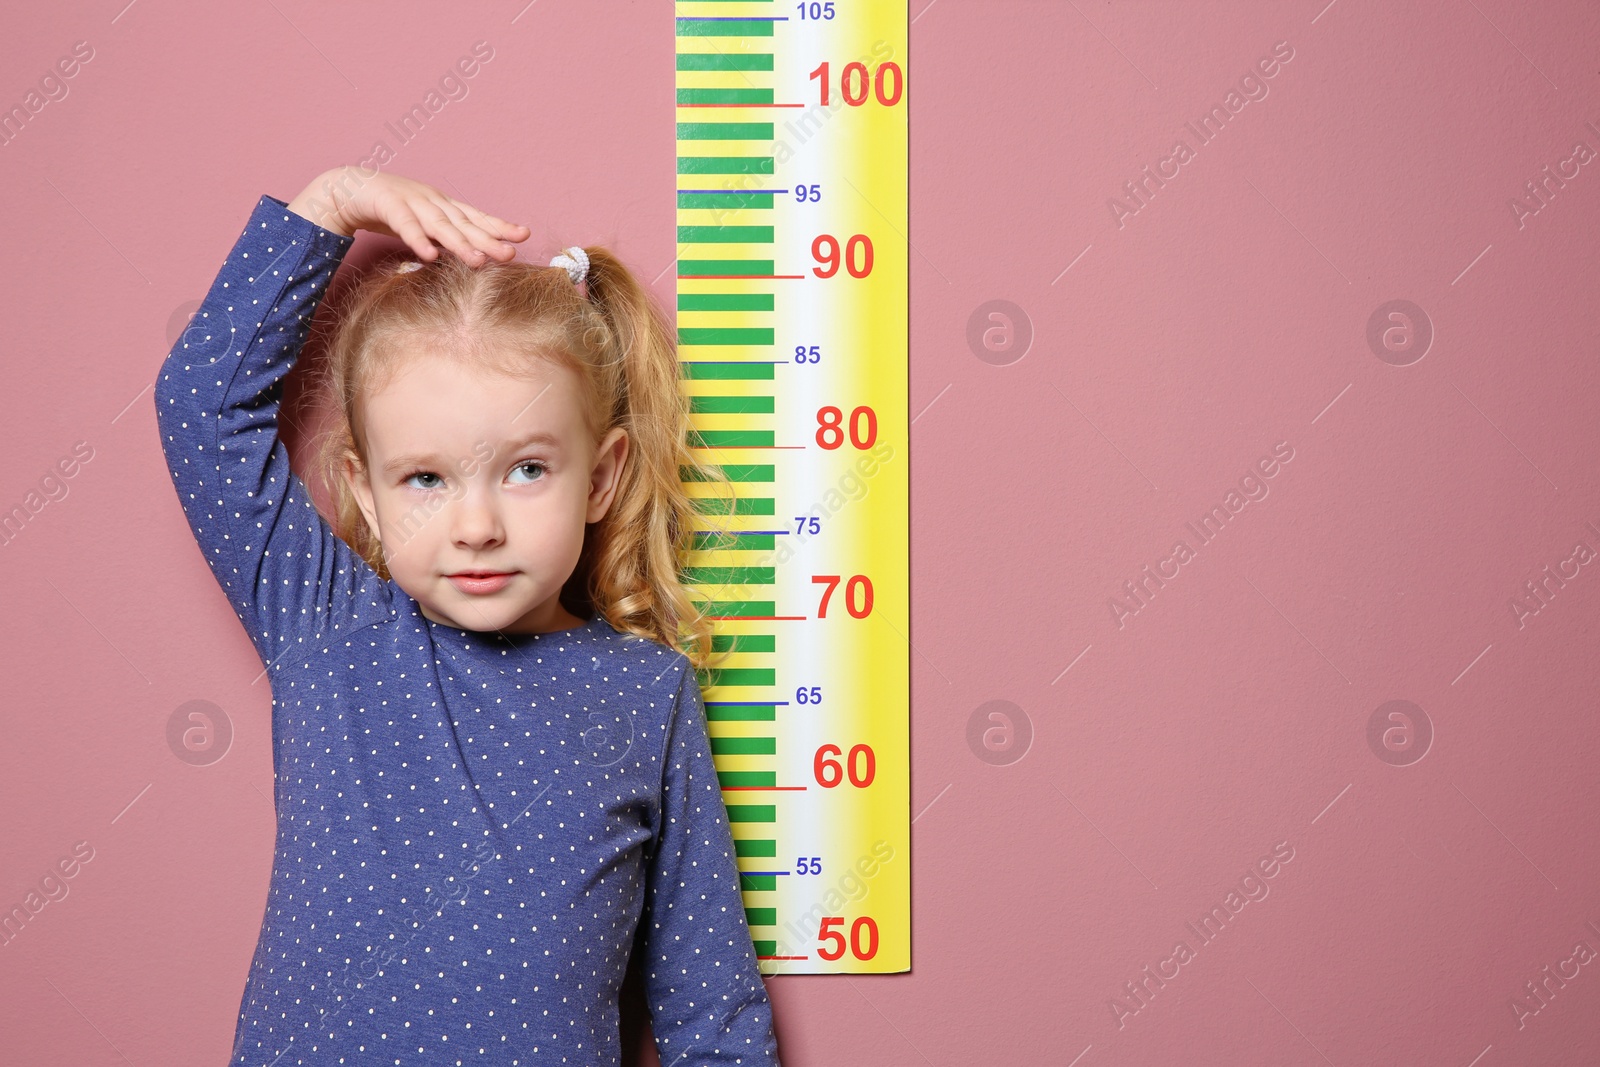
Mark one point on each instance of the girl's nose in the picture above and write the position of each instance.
(475, 520)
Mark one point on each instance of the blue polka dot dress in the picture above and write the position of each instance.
(473, 828)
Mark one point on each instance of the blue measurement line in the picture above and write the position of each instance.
(733, 18)
(753, 873)
(746, 703)
(741, 192)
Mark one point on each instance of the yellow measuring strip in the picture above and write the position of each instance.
(792, 323)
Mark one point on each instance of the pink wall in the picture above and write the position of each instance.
(1227, 317)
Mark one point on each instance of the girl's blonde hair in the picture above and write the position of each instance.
(505, 316)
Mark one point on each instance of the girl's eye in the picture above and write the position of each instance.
(533, 464)
(420, 474)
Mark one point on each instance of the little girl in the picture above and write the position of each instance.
(491, 760)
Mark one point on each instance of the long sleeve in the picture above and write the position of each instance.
(288, 576)
(708, 1003)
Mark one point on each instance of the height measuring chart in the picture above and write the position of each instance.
(792, 331)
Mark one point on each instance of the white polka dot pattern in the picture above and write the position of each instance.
(474, 829)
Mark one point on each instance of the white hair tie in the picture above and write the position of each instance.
(576, 260)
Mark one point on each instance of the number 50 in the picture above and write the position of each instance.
(863, 945)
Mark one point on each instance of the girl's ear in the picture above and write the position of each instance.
(607, 474)
(355, 476)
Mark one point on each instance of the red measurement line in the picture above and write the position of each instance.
(783, 957)
(741, 105)
(759, 618)
(780, 788)
(718, 448)
(757, 277)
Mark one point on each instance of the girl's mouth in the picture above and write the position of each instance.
(481, 583)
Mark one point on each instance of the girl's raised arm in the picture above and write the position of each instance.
(288, 576)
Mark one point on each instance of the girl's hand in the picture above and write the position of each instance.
(345, 200)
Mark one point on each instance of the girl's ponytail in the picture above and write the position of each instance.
(634, 557)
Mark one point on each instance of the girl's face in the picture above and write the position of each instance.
(472, 472)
